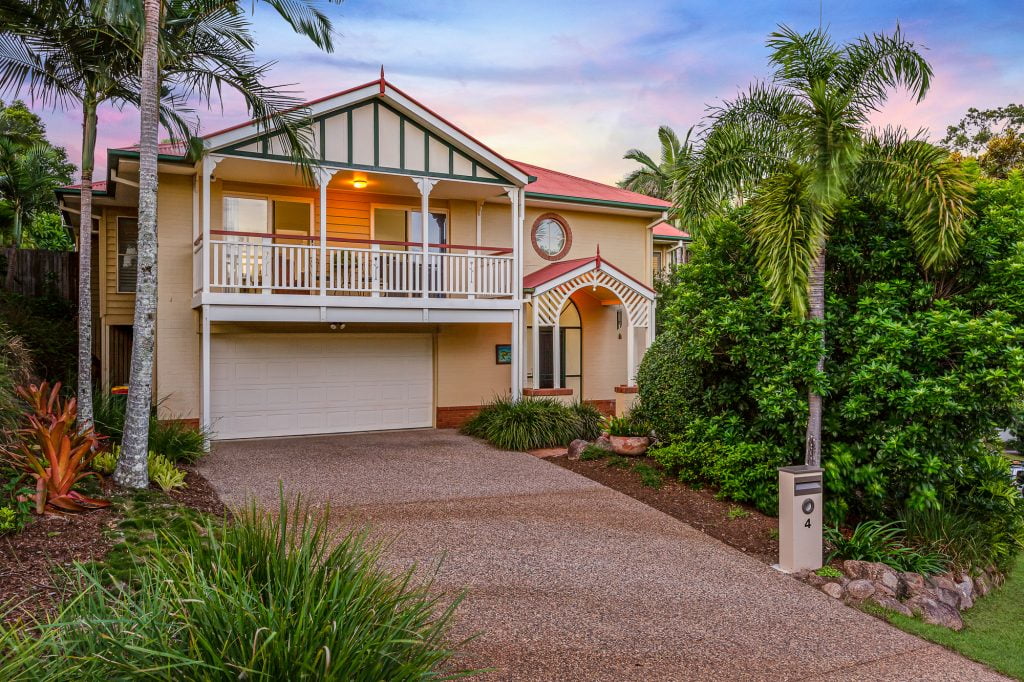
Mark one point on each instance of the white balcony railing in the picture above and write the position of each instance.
(256, 264)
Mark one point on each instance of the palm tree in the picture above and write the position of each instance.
(60, 53)
(26, 182)
(172, 56)
(660, 179)
(800, 143)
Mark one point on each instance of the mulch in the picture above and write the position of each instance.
(754, 533)
(34, 562)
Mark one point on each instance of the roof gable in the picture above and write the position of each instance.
(556, 185)
(377, 127)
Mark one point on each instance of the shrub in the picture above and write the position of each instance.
(174, 439)
(163, 472)
(971, 542)
(54, 451)
(47, 327)
(8, 520)
(882, 542)
(923, 369)
(528, 423)
(590, 419)
(270, 597)
(106, 461)
(627, 425)
(592, 452)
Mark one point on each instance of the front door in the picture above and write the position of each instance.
(547, 364)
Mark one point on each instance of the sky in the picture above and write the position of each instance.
(571, 85)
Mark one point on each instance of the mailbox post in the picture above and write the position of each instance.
(800, 529)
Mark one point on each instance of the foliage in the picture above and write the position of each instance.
(628, 424)
(173, 438)
(992, 633)
(883, 542)
(47, 328)
(272, 596)
(829, 572)
(649, 476)
(1004, 153)
(659, 178)
(925, 368)
(530, 423)
(54, 450)
(970, 540)
(591, 419)
(593, 452)
(16, 495)
(105, 461)
(979, 126)
(163, 472)
(15, 369)
(48, 233)
(8, 520)
(619, 461)
(737, 513)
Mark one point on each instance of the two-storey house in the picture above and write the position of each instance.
(419, 276)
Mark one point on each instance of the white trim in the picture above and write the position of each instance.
(612, 272)
(368, 92)
(312, 314)
(270, 302)
(205, 377)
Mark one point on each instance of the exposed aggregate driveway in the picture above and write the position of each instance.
(569, 580)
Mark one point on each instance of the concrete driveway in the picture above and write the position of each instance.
(569, 580)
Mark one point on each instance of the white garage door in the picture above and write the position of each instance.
(290, 384)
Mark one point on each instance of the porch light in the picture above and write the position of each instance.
(359, 183)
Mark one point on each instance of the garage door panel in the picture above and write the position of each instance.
(290, 384)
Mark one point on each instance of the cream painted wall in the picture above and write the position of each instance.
(604, 353)
(177, 342)
(466, 371)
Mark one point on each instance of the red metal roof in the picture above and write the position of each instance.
(666, 229)
(562, 184)
(556, 270)
(164, 148)
(550, 272)
(97, 186)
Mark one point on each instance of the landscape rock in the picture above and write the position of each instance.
(883, 589)
(935, 612)
(834, 590)
(577, 447)
(860, 589)
(890, 604)
(943, 582)
(910, 584)
(966, 588)
(857, 570)
(981, 585)
(947, 597)
(604, 443)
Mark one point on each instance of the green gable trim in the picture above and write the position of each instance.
(594, 202)
(262, 139)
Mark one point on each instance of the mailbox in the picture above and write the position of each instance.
(800, 530)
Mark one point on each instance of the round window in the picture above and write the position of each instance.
(551, 236)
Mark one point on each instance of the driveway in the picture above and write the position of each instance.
(569, 580)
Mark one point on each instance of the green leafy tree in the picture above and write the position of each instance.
(799, 144)
(1004, 153)
(979, 126)
(24, 127)
(49, 233)
(660, 178)
(26, 184)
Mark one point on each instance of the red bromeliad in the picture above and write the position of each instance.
(54, 452)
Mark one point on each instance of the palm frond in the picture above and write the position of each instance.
(929, 189)
(788, 226)
(873, 65)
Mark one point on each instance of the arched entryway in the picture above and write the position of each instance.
(570, 351)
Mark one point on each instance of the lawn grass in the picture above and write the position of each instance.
(993, 633)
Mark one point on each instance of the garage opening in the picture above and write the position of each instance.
(296, 384)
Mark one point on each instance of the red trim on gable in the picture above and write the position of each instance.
(555, 182)
(556, 270)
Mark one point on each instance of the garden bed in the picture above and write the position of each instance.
(736, 525)
(33, 561)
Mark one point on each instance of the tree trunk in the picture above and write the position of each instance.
(816, 296)
(85, 265)
(12, 250)
(132, 465)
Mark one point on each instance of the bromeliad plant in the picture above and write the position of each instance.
(52, 450)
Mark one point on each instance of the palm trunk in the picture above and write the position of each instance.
(12, 250)
(132, 470)
(85, 265)
(816, 294)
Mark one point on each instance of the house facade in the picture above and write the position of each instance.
(290, 304)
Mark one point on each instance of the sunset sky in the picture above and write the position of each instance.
(573, 85)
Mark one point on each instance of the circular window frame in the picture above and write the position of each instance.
(565, 228)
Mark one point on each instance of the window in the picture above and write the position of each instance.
(656, 262)
(551, 236)
(127, 254)
(406, 225)
(263, 215)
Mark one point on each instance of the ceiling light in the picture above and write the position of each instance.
(359, 183)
